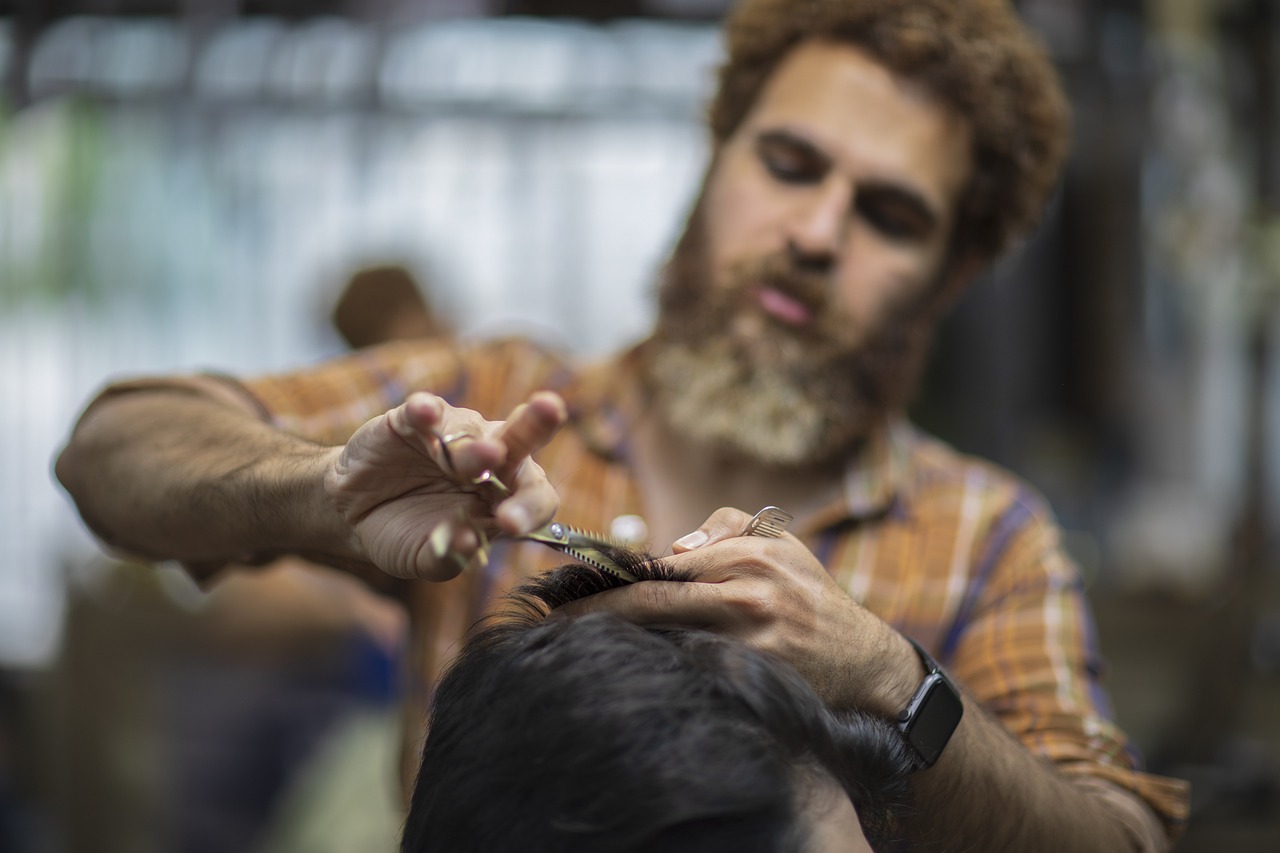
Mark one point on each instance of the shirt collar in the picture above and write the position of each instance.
(877, 475)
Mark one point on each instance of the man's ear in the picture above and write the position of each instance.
(961, 272)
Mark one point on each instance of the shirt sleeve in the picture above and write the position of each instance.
(327, 403)
(1028, 652)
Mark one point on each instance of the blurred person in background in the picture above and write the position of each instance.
(384, 303)
(870, 158)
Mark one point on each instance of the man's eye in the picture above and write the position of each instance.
(893, 223)
(791, 167)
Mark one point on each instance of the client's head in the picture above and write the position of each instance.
(594, 734)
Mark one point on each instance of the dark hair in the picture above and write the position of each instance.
(593, 734)
(974, 55)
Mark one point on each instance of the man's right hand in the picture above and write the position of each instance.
(185, 469)
(392, 486)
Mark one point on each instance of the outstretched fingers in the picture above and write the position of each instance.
(530, 427)
(423, 420)
(416, 420)
(467, 447)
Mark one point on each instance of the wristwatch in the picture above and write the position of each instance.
(933, 714)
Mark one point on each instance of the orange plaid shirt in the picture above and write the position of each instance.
(949, 550)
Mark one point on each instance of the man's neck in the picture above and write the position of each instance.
(683, 482)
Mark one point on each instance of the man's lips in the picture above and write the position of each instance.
(786, 308)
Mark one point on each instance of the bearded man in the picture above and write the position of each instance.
(870, 157)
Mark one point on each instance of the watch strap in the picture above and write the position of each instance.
(930, 665)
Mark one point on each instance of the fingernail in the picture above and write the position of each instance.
(693, 540)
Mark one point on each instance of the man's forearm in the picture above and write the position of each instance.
(172, 474)
(987, 792)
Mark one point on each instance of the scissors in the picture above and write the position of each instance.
(590, 548)
(584, 546)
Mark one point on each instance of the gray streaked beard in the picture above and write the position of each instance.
(789, 397)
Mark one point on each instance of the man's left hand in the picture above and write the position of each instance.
(774, 595)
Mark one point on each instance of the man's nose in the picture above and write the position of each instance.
(816, 230)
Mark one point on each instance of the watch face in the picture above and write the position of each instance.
(935, 718)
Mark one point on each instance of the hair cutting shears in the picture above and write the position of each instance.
(593, 549)
(590, 548)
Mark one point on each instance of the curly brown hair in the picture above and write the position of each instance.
(975, 55)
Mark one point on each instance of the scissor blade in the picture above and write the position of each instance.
(604, 565)
(582, 546)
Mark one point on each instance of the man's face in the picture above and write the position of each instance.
(799, 303)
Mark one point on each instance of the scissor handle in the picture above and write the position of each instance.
(486, 478)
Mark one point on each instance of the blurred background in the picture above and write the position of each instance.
(235, 184)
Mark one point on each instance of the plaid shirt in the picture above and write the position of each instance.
(949, 550)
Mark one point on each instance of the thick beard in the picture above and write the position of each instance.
(786, 397)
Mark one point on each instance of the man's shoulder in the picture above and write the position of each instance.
(512, 348)
(517, 361)
(939, 471)
(511, 359)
